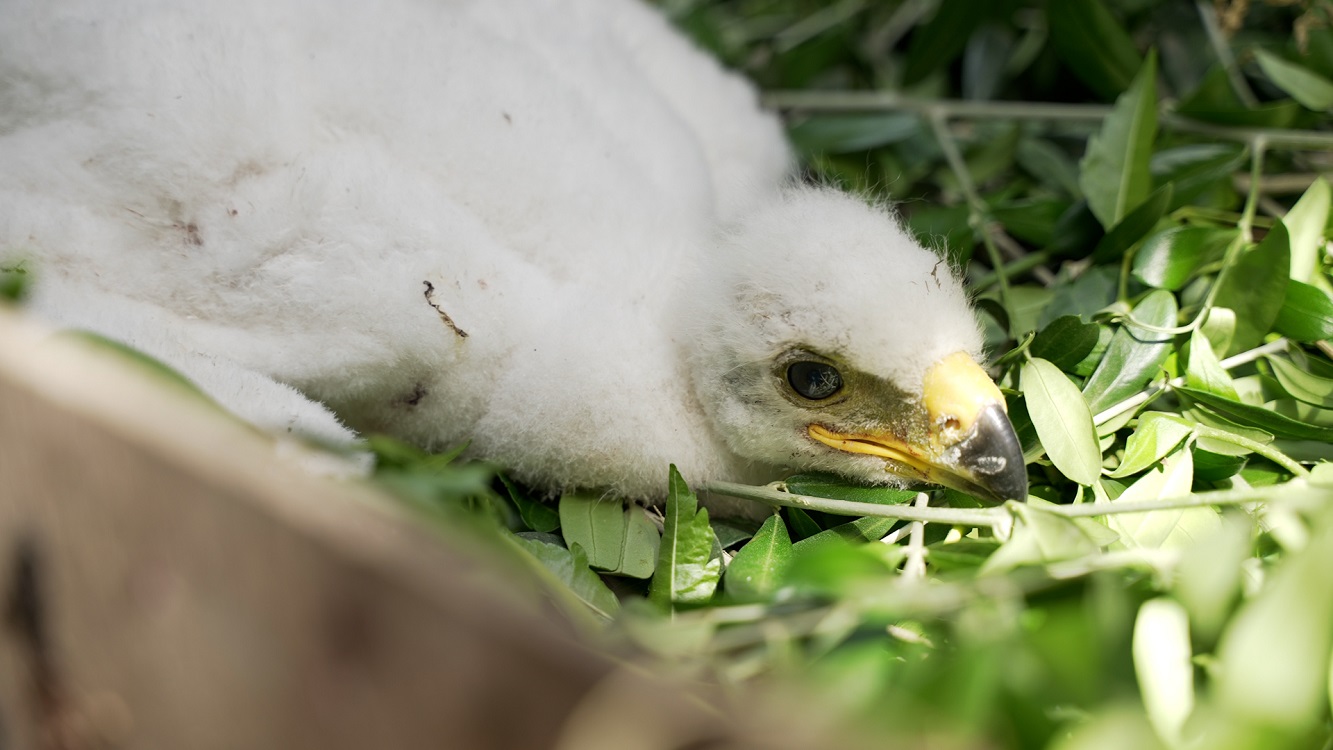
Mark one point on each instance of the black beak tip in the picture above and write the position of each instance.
(994, 456)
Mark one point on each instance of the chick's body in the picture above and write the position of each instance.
(548, 227)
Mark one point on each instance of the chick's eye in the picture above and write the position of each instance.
(814, 380)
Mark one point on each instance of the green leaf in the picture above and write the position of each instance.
(1156, 435)
(833, 487)
(687, 570)
(1168, 528)
(1048, 163)
(1215, 101)
(1039, 536)
(1208, 578)
(802, 525)
(1301, 385)
(616, 538)
(570, 568)
(1306, 314)
(1172, 256)
(1134, 226)
(1063, 421)
(1134, 354)
(1196, 169)
(860, 531)
(597, 524)
(1094, 45)
(642, 540)
(757, 570)
(536, 516)
(1255, 288)
(14, 282)
(1115, 170)
(1258, 416)
(988, 51)
(940, 39)
(1032, 221)
(732, 532)
(1163, 662)
(1305, 86)
(1274, 655)
(1204, 371)
(1066, 341)
(1306, 221)
(846, 133)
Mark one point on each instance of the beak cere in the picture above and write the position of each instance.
(970, 444)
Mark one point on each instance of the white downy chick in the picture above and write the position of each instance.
(552, 228)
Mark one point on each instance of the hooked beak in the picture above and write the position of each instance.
(969, 444)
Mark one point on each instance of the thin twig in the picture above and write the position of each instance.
(878, 101)
(1193, 500)
(974, 517)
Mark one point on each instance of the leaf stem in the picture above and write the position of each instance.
(1193, 500)
(976, 517)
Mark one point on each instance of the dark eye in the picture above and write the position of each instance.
(814, 380)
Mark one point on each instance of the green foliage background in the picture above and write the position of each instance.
(1135, 192)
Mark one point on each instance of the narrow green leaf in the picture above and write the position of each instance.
(942, 38)
(1156, 435)
(846, 133)
(1258, 416)
(1196, 170)
(1171, 257)
(1301, 385)
(836, 488)
(1049, 164)
(1215, 101)
(757, 570)
(536, 516)
(1115, 170)
(802, 525)
(1305, 86)
(1164, 666)
(1066, 341)
(687, 570)
(1094, 45)
(1306, 314)
(570, 568)
(1306, 221)
(1134, 355)
(732, 532)
(1255, 288)
(860, 531)
(1063, 421)
(1204, 370)
(1134, 226)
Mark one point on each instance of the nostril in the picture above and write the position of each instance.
(952, 423)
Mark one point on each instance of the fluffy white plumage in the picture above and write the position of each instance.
(324, 196)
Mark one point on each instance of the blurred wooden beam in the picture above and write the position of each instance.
(169, 581)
